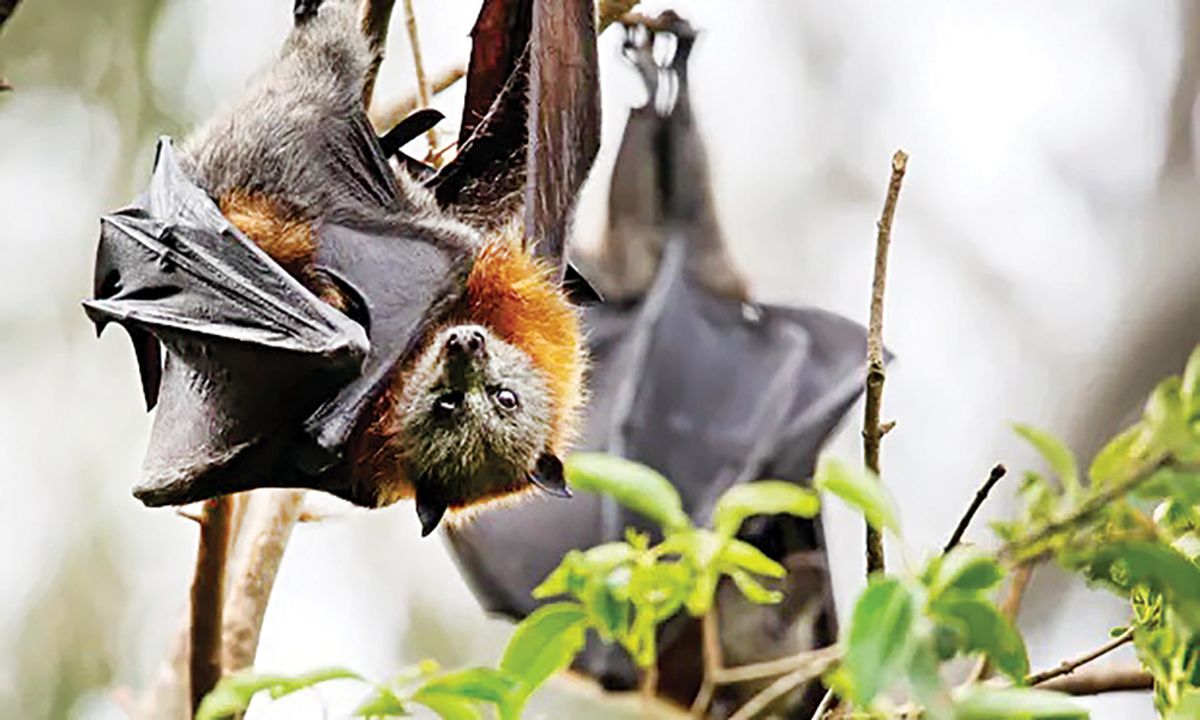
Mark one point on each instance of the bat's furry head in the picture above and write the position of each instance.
(491, 400)
(475, 421)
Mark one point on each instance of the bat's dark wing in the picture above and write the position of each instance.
(260, 381)
(531, 118)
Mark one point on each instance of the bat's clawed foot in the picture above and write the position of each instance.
(305, 9)
(659, 48)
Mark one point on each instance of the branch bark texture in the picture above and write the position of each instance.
(873, 431)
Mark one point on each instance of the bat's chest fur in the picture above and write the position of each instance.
(395, 449)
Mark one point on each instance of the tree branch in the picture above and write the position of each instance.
(774, 668)
(872, 431)
(993, 478)
(376, 15)
(207, 599)
(1068, 666)
(268, 524)
(820, 662)
(1096, 681)
(410, 21)
(710, 634)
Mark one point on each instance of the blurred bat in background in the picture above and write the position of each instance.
(328, 321)
(693, 378)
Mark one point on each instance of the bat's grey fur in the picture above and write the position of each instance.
(287, 138)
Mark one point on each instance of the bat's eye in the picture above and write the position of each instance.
(507, 399)
(448, 403)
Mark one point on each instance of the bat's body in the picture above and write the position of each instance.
(471, 384)
(693, 378)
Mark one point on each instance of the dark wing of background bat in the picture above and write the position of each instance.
(696, 381)
(533, 93)
(6, 10)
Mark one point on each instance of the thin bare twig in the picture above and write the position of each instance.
(208, 594)
(649, 689)
(827, 704)
(993, 478)
(1068, 666)
(774, 668)
(375, 15)
(268, 524)
(1100, 680)
(785, 685)
(713, 662)
(872, 431)
(410, 21)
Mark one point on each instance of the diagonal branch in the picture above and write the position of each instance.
(1069, 666)
(993, 478)
(265, 531)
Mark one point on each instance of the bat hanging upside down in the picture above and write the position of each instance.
(376, 338)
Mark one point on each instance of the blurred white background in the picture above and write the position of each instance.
(1041, 271)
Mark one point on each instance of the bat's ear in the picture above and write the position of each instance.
(430, 510)
(548, 475)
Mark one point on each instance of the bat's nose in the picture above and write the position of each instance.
(465, 341)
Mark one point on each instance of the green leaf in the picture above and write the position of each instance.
(478, 683)
(632, 484)
(545, 642)
(1166, 419)
(1190, 387)
(749, 558)
(881, 629)
(1060, 459)
(450, 707)
(927, 684)
(381, 703)
(233, 693)
(1117, 459)
(979, 702)
(754, 592)
(659, 590)
(858, 487)
(765, 497)
(964, 569)
(982, 628)
(1126, 564)
(698, 548)
(1188, 707)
